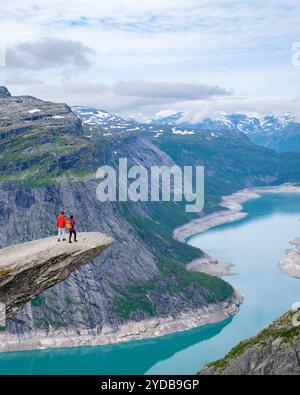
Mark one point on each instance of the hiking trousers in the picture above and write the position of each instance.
(61, 233)
(72, 232)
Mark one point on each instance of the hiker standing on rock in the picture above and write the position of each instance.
(61, 226)
(71, 228)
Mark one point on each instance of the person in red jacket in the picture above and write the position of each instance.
(61, 226)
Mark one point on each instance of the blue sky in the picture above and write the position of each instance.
(140, 57)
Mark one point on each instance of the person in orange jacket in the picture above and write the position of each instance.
(61, 226)
(70, 224)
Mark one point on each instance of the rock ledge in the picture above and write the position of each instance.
(28, 269)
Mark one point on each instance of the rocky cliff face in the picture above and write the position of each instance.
(274, 351)
(4, 91)
(141, 276)
(40, 141)
(85, 299)
(28, 269)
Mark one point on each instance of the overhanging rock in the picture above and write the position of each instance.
(28, 269)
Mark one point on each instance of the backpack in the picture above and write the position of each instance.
(69, 225)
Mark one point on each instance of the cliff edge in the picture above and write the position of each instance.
(28, 269)
(274, 351)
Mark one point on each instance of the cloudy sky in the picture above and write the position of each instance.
(138, 57)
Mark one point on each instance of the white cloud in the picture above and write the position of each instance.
(197, 111)
(142, 106)
(48, 53)
(167, 90)
(120, 97)
(241, 45)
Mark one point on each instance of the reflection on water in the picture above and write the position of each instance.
(120, 358)
(255, 245)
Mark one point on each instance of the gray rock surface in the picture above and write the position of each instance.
(140, 276)
(4, 91)
(28, 269)
(290, 263)
(40, 140)
(274, 351)
(86, 297)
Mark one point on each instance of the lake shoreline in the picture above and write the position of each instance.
(290, 264)
(233, 206)
(157, 327)
(147, 329)
(233, 211)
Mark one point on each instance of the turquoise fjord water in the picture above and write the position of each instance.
(255, 245)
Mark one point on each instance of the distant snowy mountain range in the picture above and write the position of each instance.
(280, 133)
(95, 118)
(107, 124)
(243, 122)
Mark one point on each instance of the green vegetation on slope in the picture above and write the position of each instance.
(37, 164)
(232, 162)
(282, 329)
(38, 148)
(174, 279)
(155, 223)
(38, 301)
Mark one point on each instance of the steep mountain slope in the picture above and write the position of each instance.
(231, 160)
(4, 92)
(279, 133)
(142, 275)
(250, 124)
(40, 141)
(274, 351)
(109, 123)
(288, 140)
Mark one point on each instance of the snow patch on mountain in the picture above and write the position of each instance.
(182, 132)
(246, 122)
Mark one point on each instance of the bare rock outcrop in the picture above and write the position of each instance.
(4, 91)
(290, 264)
(274, 351)
(28, 269)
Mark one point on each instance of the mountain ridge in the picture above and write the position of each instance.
(279, 133)
(142, 276)
(126, 284)
(274, 351)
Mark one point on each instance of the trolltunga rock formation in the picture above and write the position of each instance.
(28, 269)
